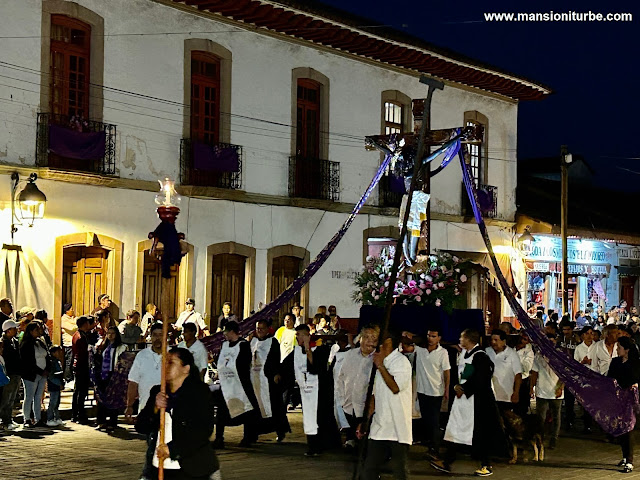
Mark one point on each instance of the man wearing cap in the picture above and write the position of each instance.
(239, 405)
(11, 355)
(191, 316)
(104, 303)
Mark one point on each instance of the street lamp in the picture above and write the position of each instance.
(525, 241)
(31, 203)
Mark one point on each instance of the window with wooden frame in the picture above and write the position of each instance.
(393, 114)
(70, 62)
(308, 119)
(205, 97)
(476, 158)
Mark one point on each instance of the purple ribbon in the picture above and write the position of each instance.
(606, 402)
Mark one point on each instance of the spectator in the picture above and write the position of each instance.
(104, 320)
(69, 328)
(80, 344)
(225, 317)
(296, 311)
(148, 319)
(334, 324)
(130, 331)
(36, 364)
(55, 384)
(11, 356)
(104, 303)
(106, 360)
(6, 310)
(606, 349)
(189, 315)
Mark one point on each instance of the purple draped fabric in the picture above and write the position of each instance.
(213, 343)
(70, 143)
(215, 158)
(396, 184)
(610, 406)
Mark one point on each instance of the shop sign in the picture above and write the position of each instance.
(540, 266)
(578, 251)
(580, 269)
(629, 253)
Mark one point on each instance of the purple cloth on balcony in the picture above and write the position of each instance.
(215, 158)
(485, 200)
(70, 143)
(396, 184)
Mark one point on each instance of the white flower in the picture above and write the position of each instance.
(386, 284)
(438, 303)
(369, 258)
(427, 291)
(441, 285)
(463, 278)
(457, 270)
(455, 259)
(381, 276)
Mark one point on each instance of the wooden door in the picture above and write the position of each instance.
(227, 284)
(494, 306)
(84, 277)
(152, 286)
(284, 270)
(627, 287)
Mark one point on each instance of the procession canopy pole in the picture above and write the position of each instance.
(392, 283)
(164, 305)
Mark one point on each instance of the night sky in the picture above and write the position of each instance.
(593, 69)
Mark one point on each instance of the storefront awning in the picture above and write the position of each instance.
(628, 271)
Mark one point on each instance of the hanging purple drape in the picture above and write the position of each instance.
(215, 158)
(606, 402)
(70, 143)
(214, 342)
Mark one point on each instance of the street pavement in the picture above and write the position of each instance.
(81, 452)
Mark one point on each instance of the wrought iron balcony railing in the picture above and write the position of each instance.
(207, 164)
(72, 143)
(387, 195)
(487, 199)
(314, 178)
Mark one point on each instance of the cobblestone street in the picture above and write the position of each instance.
(80, 452)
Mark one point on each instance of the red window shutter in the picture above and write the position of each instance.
(205, 97)
(70, 66)
(308, 119)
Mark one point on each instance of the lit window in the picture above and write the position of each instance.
(475, 160)
(392, 118)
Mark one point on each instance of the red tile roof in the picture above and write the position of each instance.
(336, 29)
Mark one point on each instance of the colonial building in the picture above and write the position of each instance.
(258, 109)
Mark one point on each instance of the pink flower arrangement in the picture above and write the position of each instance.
(415, 286)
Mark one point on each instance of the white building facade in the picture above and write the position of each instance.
(160, 79)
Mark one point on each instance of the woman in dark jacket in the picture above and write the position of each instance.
(625, 368)
(35, 363)
(187, 453)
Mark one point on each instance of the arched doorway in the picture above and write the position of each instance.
(87, 265)
(230, 278)
(284, 264)
(149, 281)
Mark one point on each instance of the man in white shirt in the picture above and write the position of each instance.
(433, 375)
(145, 374)
(69, 327)
(352, 381)
(391, 407)
(584, 354)
(507, 373)
(191, 316)
(296, 310)
(549, 393)
(196, 347)
(526, 356)
(605, 350)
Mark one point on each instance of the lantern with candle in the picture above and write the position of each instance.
(168, 202)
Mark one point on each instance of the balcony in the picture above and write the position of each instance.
(390, 191)
(70, 143)
(210, 164)
(487, 199)
(314, 178)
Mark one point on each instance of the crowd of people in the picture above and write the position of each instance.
(449, 397)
